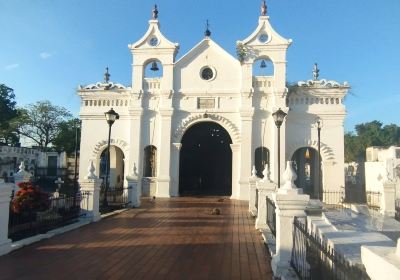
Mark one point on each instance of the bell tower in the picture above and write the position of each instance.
(264, 45)
(156, 50)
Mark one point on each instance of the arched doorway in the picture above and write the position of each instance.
(205, 161)
(306, 166)
(116, 175)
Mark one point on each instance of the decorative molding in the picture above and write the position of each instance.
(101, 145)
(327, 154)
(232, 129)
(102, 86)
(322, 84)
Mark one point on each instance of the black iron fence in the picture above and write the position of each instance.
(312, 258)
(271, 215)
(62, 210)
(117, 198)
(397, 207)
(333, 199)
(373, 200)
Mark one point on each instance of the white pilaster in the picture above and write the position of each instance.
(235, 171)
(163, 177)
(91, 186)
(176, 147)
(246, 151)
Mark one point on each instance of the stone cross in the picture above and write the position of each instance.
(58, 182)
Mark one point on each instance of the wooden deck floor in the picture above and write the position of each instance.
(171, 239)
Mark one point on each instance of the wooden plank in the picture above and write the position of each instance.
(172, 239)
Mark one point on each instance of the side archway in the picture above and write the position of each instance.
(306, 164)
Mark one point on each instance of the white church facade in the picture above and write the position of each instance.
(206, 120)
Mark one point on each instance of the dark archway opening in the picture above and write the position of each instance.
(306, 166)
(206, 161)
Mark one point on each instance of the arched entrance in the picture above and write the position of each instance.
(306, 166)
(205, 161)
(116, 175)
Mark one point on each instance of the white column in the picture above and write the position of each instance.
(235, 171)
(5, 197)
(176, 147)
(134, 193)
(388, 206)
(163, 176)
(245, 151)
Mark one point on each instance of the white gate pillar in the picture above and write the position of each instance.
(91, 186)
(253, 192)
(265, 188)
(134, 193)
(5, 197)
(290, 203)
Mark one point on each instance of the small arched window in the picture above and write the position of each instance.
(150, 160)
(261, 160)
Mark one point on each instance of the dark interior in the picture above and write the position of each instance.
(206, 161)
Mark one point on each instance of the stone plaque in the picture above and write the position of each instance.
(206, 103)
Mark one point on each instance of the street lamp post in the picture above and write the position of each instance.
(319, 160)
(76, 161)
(111, 116)
(279, 117)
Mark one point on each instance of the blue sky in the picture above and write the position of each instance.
(49, 47)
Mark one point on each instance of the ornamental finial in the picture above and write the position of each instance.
(316, 72)
(155, 12)
(107, 76)
(207, 33)
(263, 8)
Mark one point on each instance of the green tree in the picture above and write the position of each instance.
(369, 134)
(65, 139)
(8, 115)
(41, 122)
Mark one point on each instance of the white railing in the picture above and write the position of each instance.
(152, 84)
(263, 83)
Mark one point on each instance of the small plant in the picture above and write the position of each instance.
(30, 198)
(241, 52)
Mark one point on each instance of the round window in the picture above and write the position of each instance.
(263, 38)
(153, 41)
(207, 73)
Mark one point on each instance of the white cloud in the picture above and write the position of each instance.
(11, 66)
(46, 55)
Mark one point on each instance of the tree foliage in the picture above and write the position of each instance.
(8, 115)
(369, 134)
(41, 122)
(65, 139)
